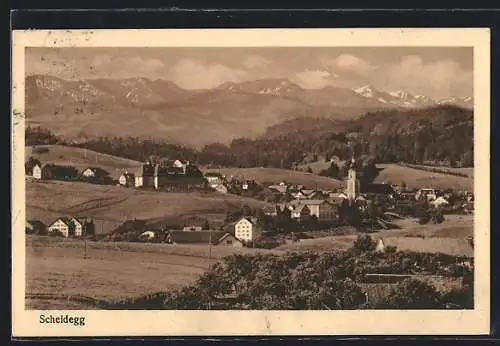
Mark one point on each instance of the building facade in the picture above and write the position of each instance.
(247, 230)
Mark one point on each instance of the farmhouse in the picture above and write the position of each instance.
(214, 179)
(300, 212)
(94, 172)
(144, 177)
(127, 179)
(192, 229)
(322, 209)
(67, 226)
(439, 202)
(181, 164)
(279, 188)
(35, 227)
(42, 172)
(246, 229)
(229, 240)
(270, 210)
(451, 246)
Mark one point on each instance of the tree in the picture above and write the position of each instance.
(364, 243)
(206, 225)
(30, 164)
(413, 294)
(89, 227)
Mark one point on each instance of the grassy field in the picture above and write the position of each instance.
(81, 159)
(111, 270)
(454, 226)
(415, 178)
(112, 205)
(467, 170)
(276, 175)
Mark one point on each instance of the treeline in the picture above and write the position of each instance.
(316, 280)
(413, 136)
(434, 170)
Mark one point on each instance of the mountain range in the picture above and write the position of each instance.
(148, 108)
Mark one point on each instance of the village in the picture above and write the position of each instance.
(294, 212)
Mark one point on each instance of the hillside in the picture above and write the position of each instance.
(112, 205)
(81, 158)
(276, 175)
(415, 178)
(147, 108)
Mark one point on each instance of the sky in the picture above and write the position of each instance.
(432, 71)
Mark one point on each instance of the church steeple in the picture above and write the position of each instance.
(352, 189)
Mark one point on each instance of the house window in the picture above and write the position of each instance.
(229, 242)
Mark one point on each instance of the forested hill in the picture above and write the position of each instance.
(440, 133)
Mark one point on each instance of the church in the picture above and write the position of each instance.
(355, 190)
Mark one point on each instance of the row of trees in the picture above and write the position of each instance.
(309, 280)
(414, 136)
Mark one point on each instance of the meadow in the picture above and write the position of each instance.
(56, 267)
(110, 206)
(81, 158)
(415, 178)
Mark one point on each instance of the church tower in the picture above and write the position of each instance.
(352, 190)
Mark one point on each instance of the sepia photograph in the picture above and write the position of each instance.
(334, 177)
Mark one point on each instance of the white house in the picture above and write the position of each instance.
(247, 230)
(181, 164)
(440, 201)
(42, 172)
(221, 188)
(67, 226)
(127, 179)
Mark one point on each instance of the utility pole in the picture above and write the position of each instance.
(209, 263)
(85, 249)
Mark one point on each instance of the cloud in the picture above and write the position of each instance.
(314, 79)
(128, 66)
(254, 61)
(101, 65)
(439, 78)
(349, 63)
(193, 74)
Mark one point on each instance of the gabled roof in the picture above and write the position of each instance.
(227, 235)
(252, 220)
(64, 219)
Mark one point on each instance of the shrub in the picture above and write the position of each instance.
(364, 243)
(56, 234)
(413, 294)
(40, 150)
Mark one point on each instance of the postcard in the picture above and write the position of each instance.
(250, 182)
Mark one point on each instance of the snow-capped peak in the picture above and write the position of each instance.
(400, 94)
(366, 91)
